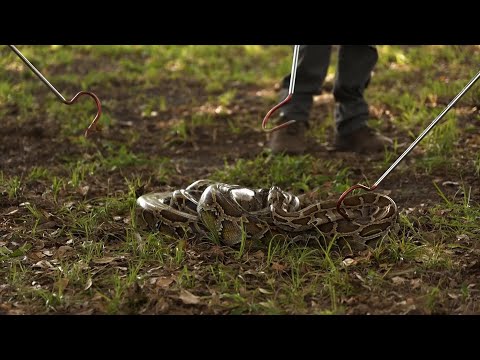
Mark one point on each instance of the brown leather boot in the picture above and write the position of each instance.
(364, 140)
(289, 140)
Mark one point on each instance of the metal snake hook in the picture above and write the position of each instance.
(291, 88)
(93, 125)
(406, 152)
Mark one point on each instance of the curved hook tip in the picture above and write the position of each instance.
(281, 126)
(93, 125)
(272, 110)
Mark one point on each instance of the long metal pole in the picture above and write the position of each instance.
(293, 74)
(38, 73)
(427, 130)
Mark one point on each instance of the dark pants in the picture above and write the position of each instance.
(355, 64)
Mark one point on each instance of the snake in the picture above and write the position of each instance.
(233, 213)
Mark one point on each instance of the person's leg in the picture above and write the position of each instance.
(355, 65)
(313, 61)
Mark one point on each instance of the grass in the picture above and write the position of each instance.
(296, 173)
(14, 187)
(70, 241)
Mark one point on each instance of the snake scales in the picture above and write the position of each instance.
(232, 212)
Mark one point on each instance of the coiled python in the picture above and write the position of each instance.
(231, 213)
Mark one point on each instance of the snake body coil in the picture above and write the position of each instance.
(232, 213)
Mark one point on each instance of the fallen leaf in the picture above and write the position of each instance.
(69, 205)
(266, 304)
(88, 284)
(462, 237)
(62, 250)
(259, 254)
(97, 296)
(252, 272)
(408, 210)
(48, 252)
(104, 260)
(43, 264)
(349, 262)
(217, 251)
(84, 190)
(155, 268)
(416, 283)
(188, 298)
(398, 280)
(38, 255)
(452, 296)
(359, 277)
(265, 291)
(163, 282)
(39, 244)
(450, 183)
(278, 266)
(12, 212)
